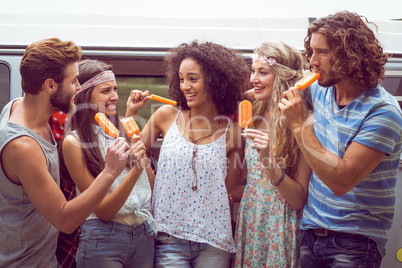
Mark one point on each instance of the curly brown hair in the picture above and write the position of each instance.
(225, 74)
(358, 54)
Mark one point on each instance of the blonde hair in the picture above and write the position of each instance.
(283, 145)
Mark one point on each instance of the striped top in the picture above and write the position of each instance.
(373, 119)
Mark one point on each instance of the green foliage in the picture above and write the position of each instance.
(154, 85)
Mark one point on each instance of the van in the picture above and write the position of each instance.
(136, 47)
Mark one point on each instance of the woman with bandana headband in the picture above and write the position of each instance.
(270, 211)
(120, 233)
(33, 209)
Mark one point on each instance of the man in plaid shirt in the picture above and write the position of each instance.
(67, 244)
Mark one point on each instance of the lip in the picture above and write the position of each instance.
(317, 71)
(258, 89)
(111, 107)
(190, 96)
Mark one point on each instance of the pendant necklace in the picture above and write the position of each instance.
(194, 184)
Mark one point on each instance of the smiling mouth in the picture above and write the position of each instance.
(190, 95)
(111, 107)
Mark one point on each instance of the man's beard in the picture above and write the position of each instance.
(60, 101)
(332, 80)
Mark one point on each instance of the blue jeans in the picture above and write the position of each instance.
(112, 244)
(338, 250)
(171, 251)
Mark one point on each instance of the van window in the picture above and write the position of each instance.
(394, 86)
(155, 85)
(4, 85)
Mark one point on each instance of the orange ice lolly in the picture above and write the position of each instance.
(307, 80)
(163, 100)
(108, 126)
(245, 114)
(130, 126)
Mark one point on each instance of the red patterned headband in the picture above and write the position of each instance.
(103, 77)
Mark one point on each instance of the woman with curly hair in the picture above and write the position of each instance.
(350, 204)
(200, 158)
(269, 215)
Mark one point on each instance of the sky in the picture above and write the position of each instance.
(372, 9)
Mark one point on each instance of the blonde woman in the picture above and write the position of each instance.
(277, 173)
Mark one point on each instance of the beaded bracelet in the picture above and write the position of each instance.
(280, 180)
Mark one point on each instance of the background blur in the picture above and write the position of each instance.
(373, 9)
(238, 24)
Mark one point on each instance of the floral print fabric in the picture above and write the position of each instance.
(267, 232)
(139, 200)
(203, 215)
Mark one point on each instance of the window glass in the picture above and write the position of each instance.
(155, 85)
(4, 85)
(394, 86)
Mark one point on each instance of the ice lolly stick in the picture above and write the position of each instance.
(108, 126)
(307, 80)
(245, 114)
(163, 100)
(130, 126)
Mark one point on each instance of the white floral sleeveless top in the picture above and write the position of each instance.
(203, 215)
(139, 200)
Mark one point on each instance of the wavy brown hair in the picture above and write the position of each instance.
(225, 74)
(81, 119)
(358, 54)
(47, 58)
(283, 145)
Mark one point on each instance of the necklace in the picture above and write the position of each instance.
(194, 184)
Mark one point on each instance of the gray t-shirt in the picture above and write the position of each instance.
(27, 239)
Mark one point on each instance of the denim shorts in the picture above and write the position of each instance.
(338, 250)
(172, 252)
(112, 244)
